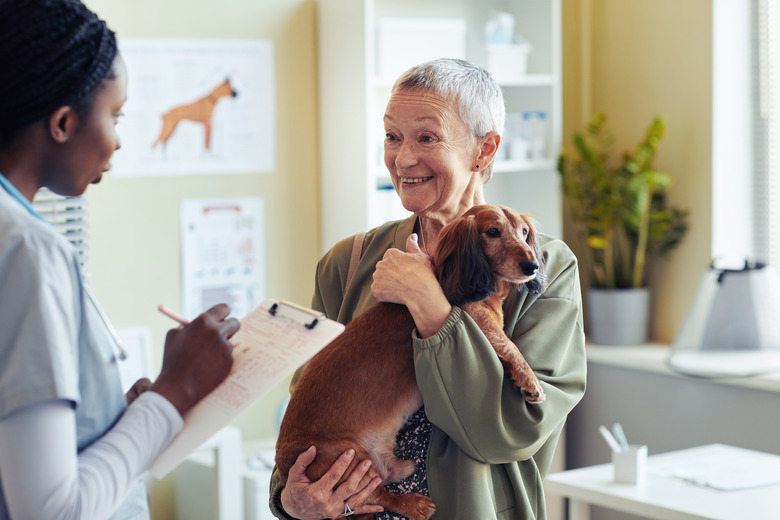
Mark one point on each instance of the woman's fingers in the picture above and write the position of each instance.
(326, 498)
(219, 311)
(297, 471)
(401, 274)
(337, 470)
(350, 491)
(413, 246)
(197, 357)
(357, 501)
(219, 314)
(352, 485)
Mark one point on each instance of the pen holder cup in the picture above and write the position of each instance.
(630, 466)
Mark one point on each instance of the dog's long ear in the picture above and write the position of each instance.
(539, 283)
(460, 263)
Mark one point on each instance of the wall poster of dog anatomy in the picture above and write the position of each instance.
(197, 107)
(222, 254)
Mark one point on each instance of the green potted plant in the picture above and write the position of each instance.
(623, 220)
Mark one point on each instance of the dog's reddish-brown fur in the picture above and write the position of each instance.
(360, 390)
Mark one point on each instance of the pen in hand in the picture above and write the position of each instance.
(173, 315)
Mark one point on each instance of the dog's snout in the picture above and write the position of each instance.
(529, 267)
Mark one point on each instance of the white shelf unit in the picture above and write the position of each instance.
(355, 194)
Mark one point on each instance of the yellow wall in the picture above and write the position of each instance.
(633, 59)
(134, 223)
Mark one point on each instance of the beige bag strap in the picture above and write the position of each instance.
(357, 249)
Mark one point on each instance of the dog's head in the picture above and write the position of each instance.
(225, 89)
(486, 244)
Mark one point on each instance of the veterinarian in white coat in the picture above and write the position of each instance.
(70, 446)
(482, 451)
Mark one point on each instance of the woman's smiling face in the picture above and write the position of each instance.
(430, 154)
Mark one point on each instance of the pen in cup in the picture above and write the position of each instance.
(613, 443)
(173, 315)
(620, 436)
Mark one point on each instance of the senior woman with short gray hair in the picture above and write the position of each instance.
(475, 459)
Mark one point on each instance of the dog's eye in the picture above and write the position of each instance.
(493, 232)
(525, 233)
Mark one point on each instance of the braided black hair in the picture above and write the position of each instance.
(52, 53)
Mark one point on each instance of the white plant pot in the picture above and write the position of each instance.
(618, 316)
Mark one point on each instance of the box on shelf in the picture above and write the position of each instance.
(507, 63)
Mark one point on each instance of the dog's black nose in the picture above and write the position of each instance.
(529, 267)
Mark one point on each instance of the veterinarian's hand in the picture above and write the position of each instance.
(307, 500)
(407, 278)
(197, 358)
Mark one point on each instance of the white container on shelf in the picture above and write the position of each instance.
(508, 63)
(517, 138)
(535, 122)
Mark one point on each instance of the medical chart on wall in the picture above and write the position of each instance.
(222, 254)
(196, 106)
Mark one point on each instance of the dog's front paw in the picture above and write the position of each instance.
(526, 383)
(533, 394)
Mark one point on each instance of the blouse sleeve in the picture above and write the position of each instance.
(465, 390)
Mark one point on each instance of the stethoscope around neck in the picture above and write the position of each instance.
(120, 354)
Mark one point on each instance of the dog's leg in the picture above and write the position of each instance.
(488, 318)
(162, 137)
(169, 123)
(390, 467)
(514, 362)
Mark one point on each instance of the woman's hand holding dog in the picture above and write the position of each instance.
(307, 500)
(407, 278)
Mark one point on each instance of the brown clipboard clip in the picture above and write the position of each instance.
(306, 317)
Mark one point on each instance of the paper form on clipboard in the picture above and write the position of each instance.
(274, 340)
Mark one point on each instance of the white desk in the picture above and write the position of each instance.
(663, 497)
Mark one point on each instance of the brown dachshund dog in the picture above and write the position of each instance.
(199, 111)
(360, 390)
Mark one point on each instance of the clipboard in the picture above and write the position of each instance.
(274, 340)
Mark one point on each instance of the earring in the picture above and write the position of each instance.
(477, 166)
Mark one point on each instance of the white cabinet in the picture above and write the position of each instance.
(362, 43)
